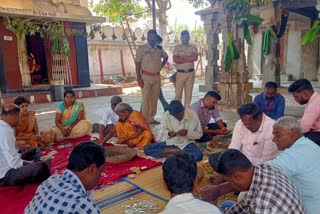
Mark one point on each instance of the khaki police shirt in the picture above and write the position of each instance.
(185, 50)
(150, 58)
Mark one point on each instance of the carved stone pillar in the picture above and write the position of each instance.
(233, 85)
(210, 18)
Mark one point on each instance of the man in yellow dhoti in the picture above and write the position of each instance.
(132, 128)
(27, 131)
(70, 119)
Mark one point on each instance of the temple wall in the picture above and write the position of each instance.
(110, 56)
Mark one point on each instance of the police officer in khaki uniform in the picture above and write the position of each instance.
(184, 55)
(148, 66)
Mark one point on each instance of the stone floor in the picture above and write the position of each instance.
(95, 106)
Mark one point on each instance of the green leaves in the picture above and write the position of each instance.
(311, 34)
(243, 6)
(53, 29)
(116, 9)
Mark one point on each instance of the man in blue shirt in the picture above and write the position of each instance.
(71, 192)
(270, 102)
(298, 160)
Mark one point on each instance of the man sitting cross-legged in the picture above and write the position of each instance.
(179, 129)
(71, 192)
(299, 160)
(179, 175)
(206, 109)
(16, 169)
(268, 190)
(105, 127)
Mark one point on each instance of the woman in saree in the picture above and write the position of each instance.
(27, 131)
(70, 119)
(132, 128)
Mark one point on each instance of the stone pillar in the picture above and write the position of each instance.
(309, 56)
(294, 53)
(255, 62)
(301, 59)
(270, 64)
(84, 3)
(233, 85)
(210, 18)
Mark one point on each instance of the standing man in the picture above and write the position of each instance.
(205, 109)
(184, 55)
(148, 67)
(303, 93)
(270, 102)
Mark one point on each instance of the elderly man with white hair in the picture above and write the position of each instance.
(299, 160)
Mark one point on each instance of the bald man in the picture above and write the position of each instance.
(13, 169)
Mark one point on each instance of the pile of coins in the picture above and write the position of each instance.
(140, 207)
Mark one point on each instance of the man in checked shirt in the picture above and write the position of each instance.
(268, 190)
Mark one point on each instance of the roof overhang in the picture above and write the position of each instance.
(51, 15)
(48, 10)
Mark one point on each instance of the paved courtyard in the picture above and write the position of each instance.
(95, 106)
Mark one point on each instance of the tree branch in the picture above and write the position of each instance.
(169, 6)
(149, 4)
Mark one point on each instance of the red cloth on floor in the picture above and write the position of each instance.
(15, 199)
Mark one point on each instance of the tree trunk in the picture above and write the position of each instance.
(161, 15)
(23, 61)
(163, 21)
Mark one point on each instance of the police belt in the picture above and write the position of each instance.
(149, 73)
(185, 71)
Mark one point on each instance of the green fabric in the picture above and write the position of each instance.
(253, 19)
(266, 41)
(236, 54)
(231, 53)
(246, 32)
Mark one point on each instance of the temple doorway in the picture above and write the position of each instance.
(37, 59)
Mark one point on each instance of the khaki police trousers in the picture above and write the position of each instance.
(150, 96)
(185, 82)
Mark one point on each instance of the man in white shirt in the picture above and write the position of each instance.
(180, 128)
(14, 170)
(179, 175)
(105, 127)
